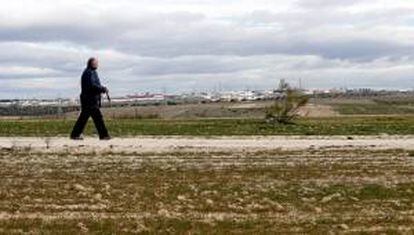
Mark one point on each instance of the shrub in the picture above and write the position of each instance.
(285, 110)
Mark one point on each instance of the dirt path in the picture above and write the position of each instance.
(160, 144)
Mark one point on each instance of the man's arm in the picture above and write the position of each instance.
(94, 84)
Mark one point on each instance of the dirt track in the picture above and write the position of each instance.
(157, 144)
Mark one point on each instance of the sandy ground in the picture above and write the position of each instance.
(164, 143)
(318, 110)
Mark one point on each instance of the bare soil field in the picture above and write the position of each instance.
(213, 110)
(218, 110)
(216, 185)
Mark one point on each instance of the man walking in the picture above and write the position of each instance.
(90, 99)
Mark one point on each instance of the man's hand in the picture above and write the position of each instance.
(105, 89)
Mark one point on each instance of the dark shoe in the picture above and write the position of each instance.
(76, 138)
(105, 138)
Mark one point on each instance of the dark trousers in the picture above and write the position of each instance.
(97, 117)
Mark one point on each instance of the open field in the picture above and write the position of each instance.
(327, 174)
(394, 125)
(317, 107)
(319, 185)
(393, 105)
(326, 107)
(245, 110)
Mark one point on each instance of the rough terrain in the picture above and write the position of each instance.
(297, 184)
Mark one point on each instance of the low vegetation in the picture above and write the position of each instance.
(206, 192)
(373, 109)
(210, 127)
(373, 106)
(285, 110)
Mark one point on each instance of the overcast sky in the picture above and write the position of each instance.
(200, 45)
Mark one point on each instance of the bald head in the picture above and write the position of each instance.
(93, 63)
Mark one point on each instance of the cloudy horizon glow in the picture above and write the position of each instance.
(188, 45)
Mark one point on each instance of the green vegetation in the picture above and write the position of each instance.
(373, 109)
(211, 127)
(374, 106)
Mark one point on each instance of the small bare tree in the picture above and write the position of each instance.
(286, 109)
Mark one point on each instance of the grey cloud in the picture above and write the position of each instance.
(185, 46)
(181, 34)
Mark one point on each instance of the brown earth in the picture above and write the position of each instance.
(319, 185)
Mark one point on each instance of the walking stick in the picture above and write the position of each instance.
(109, 98)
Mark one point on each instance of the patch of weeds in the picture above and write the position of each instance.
(375, 191)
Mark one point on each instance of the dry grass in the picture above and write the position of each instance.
(313, 191)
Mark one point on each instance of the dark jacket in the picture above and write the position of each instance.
(91, 89)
